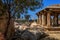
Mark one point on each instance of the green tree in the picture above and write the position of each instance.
(18, 15)
(27, 17)
(13, 7)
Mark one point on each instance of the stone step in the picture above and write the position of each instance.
(53, 29)
(53, 32)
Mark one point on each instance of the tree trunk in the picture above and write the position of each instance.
(10, 28)
(10, 25)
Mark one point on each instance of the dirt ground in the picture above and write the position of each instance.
(55, 34)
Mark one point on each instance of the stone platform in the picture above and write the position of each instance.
(53, 29)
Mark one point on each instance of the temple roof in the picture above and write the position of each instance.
(54, 6)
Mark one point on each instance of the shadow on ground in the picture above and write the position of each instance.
(27, 35)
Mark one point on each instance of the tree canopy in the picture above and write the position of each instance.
(27, 17)
(19, 6)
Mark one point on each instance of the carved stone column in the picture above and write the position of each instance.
(40, 21)
(55, 19)
(43, 19)
(48, 19)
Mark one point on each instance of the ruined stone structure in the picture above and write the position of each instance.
(48, 17)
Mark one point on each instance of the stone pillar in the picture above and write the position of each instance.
(55, 19)
(40, 21)
(48, 19)
(43, 20)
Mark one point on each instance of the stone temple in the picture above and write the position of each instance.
(49, 17)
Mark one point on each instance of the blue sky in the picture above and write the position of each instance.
(46, 3)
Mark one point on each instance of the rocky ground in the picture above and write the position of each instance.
(34, 34)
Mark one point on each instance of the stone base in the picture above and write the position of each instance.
(53, 29)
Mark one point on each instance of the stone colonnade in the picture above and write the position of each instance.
(45, 19)
(55, 19)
